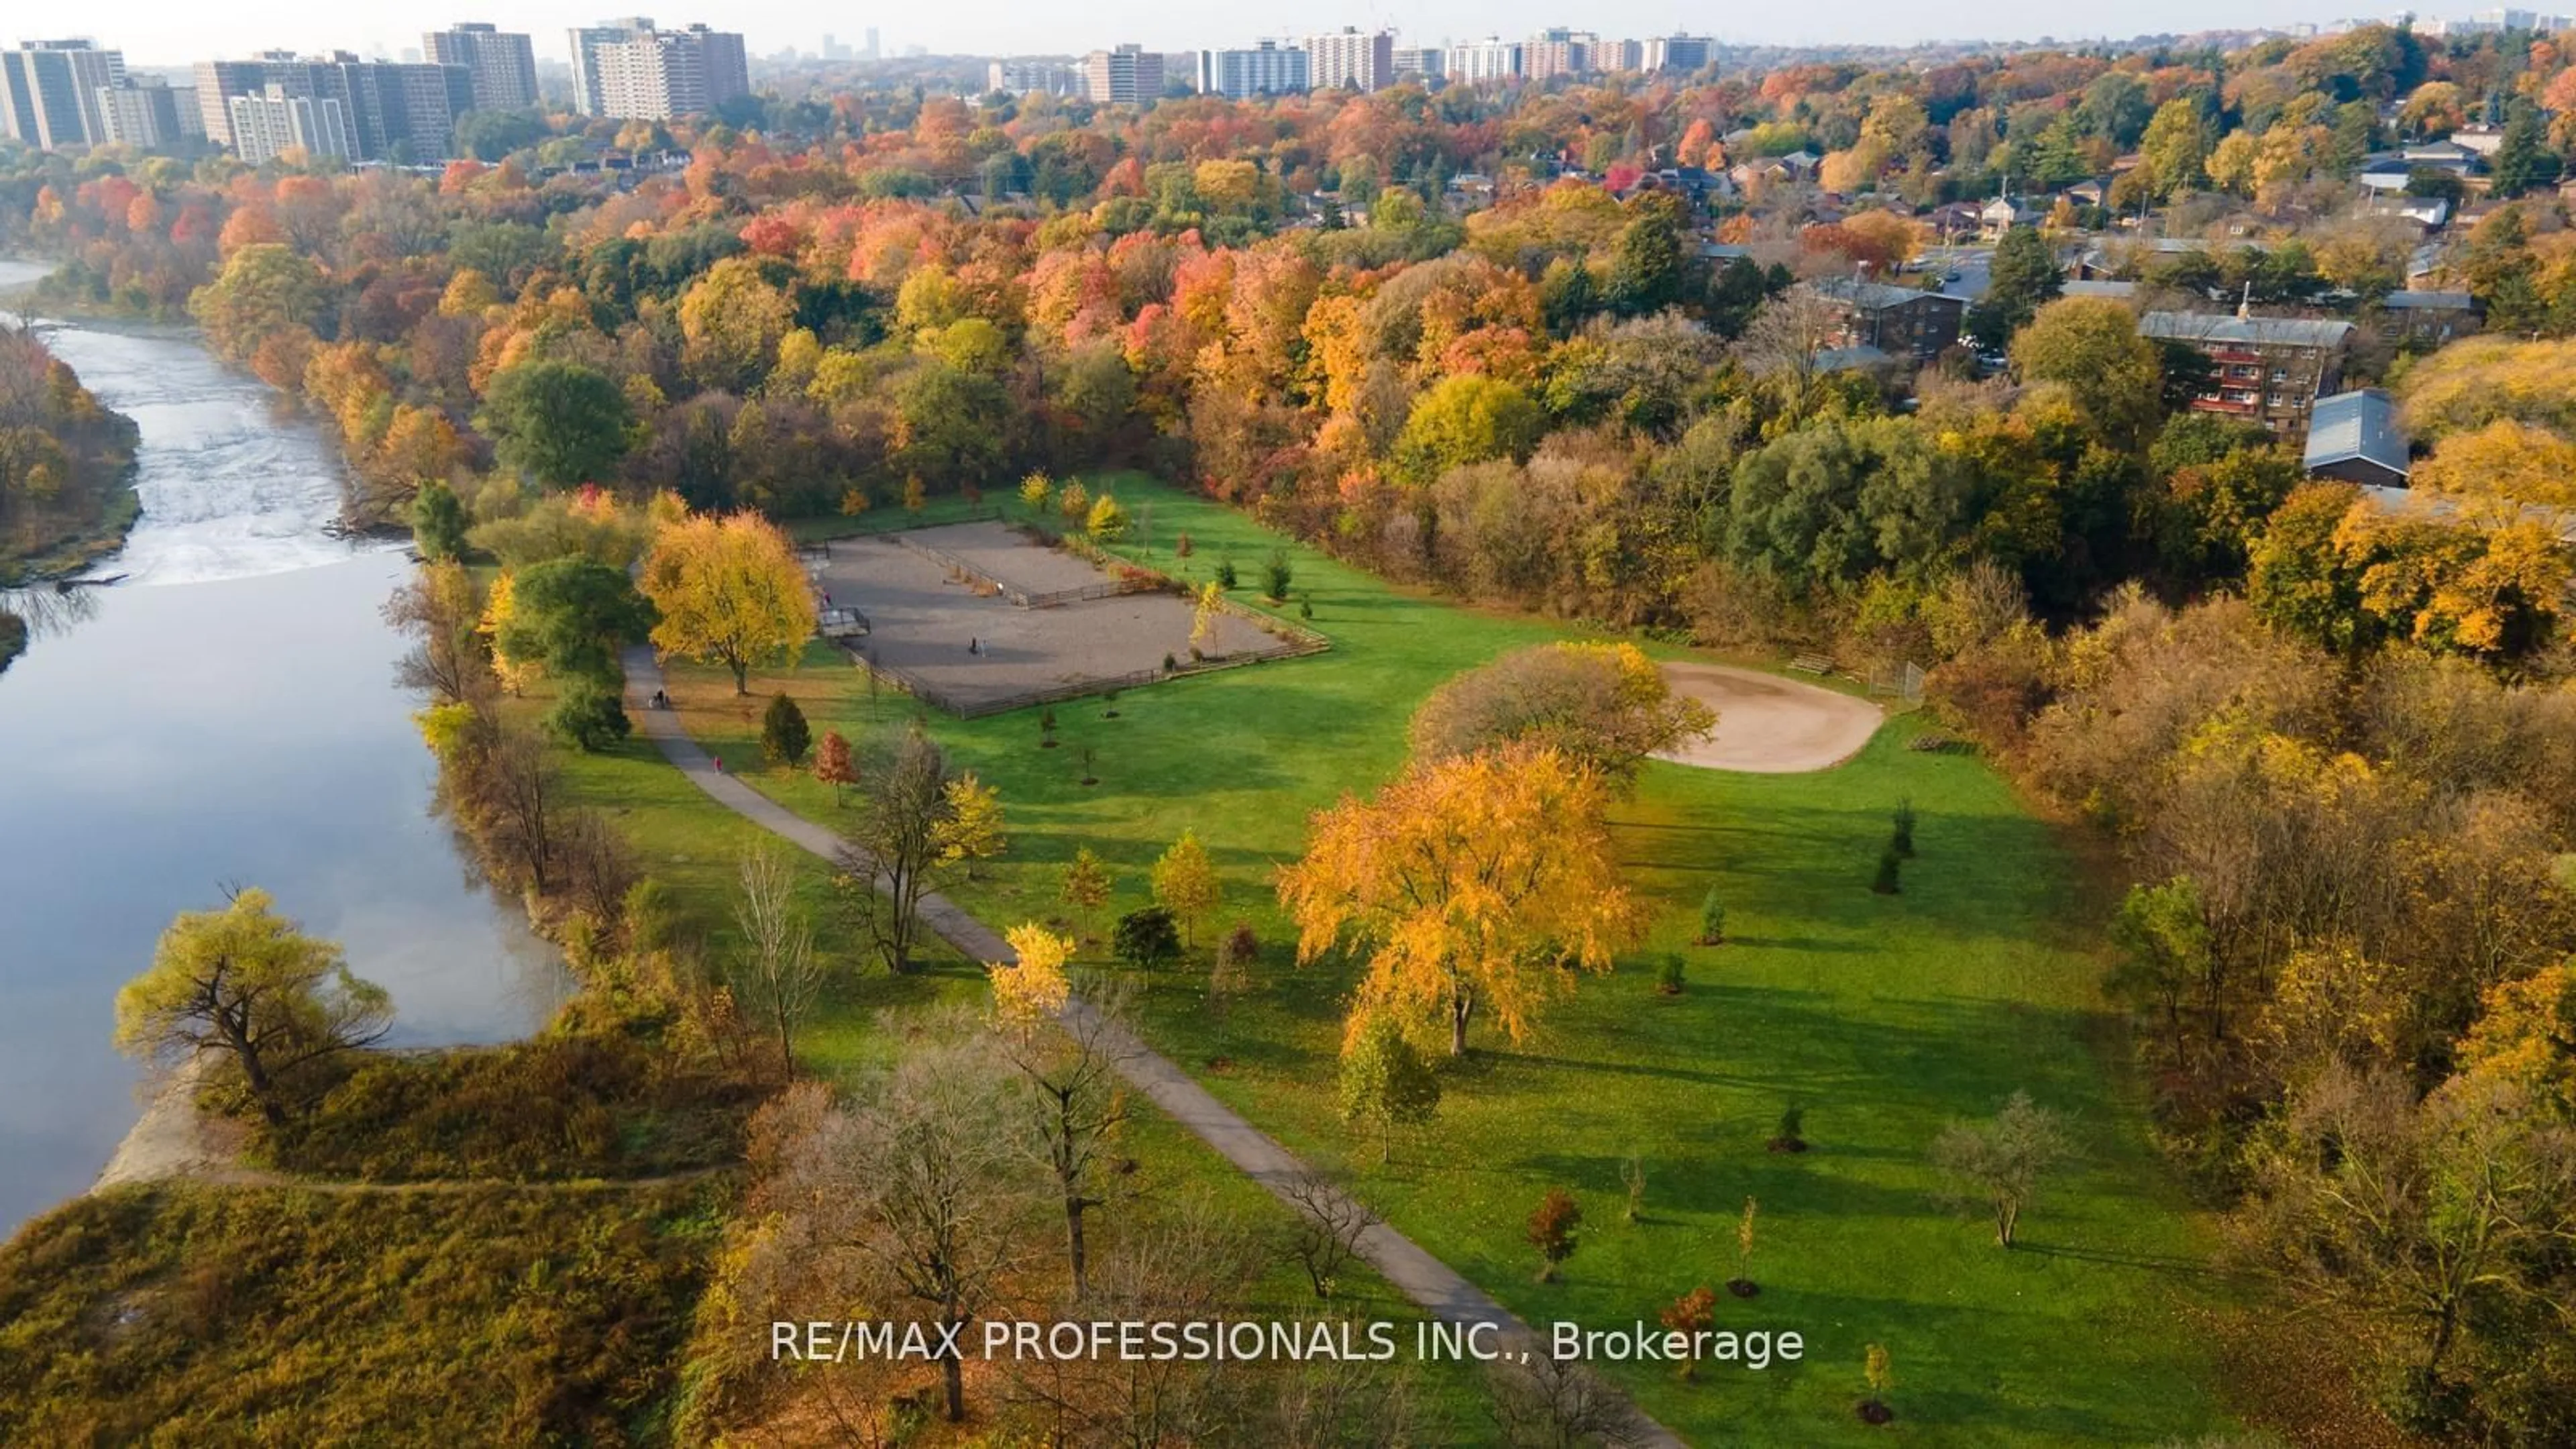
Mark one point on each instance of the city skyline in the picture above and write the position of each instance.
(163, 35)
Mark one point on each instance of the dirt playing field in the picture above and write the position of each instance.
(1767, 725)
(921, 620)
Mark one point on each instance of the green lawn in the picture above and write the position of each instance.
(1884, 1017)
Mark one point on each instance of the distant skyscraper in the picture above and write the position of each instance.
(873, 53)
(503, 65)
(641, 73)
(265, 126)
(386, 110)
(1558, 52)
(1348, 58)
(1676, 52)
(1127, 76)
(49, 91)
(1268, 69)
(145, 116)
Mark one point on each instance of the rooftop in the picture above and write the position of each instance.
(2253, 331)
(2359, 424)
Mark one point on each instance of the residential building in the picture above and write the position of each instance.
(49, 91)
(1906, 324)
(1484, 62)
(2267, 370)
(1619, 55)
(661, 75)
(218, 81)
(1128, 76)
(1427, 62)
(1268, 69)
(503, 65)
(192, 118)
(264, 126)
(1349, 59)
(146, 117)
(389, 110)
(1558, 52)
(1676, 52)
(2426, 320)
(1033, 77)
(2354, 437)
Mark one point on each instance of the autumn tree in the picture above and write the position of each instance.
(729, 591)
(1691, 1315)
(971, 830)
(1466, 418)
(2090, 347)
(833, 765)
(1185, 883)
(1474, 881)
(1086, 884)
(1070, 1066)
(1552, 1230)
(246, 982)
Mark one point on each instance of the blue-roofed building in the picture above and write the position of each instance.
(2353, 436)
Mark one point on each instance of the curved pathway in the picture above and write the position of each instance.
(1440, 1290)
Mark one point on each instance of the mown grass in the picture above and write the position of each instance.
(1884, 1017)
(210, 1315)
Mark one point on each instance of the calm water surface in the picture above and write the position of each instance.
(225, 716)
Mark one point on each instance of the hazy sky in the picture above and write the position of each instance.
(175, 32)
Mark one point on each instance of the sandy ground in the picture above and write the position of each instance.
(920, 623)
(173, 1139)
(1767, 725)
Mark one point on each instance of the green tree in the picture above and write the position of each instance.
(2175, 148)
(2022, 279)
(587, 714)
(2090, 347)
(437, 521)
(784, 734)
(1838, 499)
(2523, 159)
(248, 983)
(264, 289)
(2003, 1161)
(1648, 267)
(1146, 938)
(570, 616)
(2163, 939)
(1386, 1083)
(558, 422)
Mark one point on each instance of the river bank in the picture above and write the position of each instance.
(227, 715)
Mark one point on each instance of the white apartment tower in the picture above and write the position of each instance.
(1349, 58)
(49, 92)
(264, 126)
(632, 71)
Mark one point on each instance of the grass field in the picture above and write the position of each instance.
(1883, 1017)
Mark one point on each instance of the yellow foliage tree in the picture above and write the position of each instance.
(498, 606)
(2527, 1035)
(2508, 460)
(1031, 993)
(1185, 883)
(1034, 490)
(972, 830)
(1203, 618)
(730, 592)
(1474, 882)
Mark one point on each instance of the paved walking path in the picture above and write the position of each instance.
(1439, 1289)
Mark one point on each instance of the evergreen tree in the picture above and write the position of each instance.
(2023, 278)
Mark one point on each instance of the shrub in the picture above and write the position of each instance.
(1552, 1227)
(1225, 575)
(784, 735)
(1182, 547)
(1276, 575)
(1145, 938)
(1305, 606)
(1792, 1136)
(1692, 1314)
(588, 715)
(1712, 918)
(1669, 975)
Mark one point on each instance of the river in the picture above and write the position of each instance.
(225, 716)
